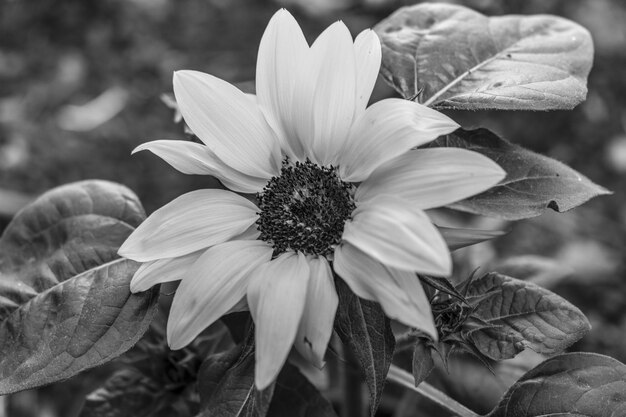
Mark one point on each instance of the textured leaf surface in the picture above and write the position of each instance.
(65, 303)
(525, 315)
(423, 363)
(130, 393)
(226, 384)
(295, 396)
(533, 182)
(366, 332)
(452, 56)
(573, 384)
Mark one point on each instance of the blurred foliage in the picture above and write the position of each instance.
(80, 87)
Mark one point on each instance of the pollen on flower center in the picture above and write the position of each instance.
(304, 209)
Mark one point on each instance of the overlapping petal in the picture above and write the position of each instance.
(228, 122)
(215, 283)
(276, 296)
(399, 292)
(191, 222)
(162, 270)
(429, 178)
(325, 94)
(391, 232)
(387, 129)
(283, 47)
(196, 159)
(368, 54)
(316, 325)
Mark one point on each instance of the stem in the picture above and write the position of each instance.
(402, 377)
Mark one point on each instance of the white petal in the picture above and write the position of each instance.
(276, 296)
(325, 94)
(228, 122)
(433, 177)
(387, 129)
(193, 221)
(316, 326)
(368, 55)
(399, 292)
(194, 158)
(215, 283)
(162, 270)
(390, 231)
(283, 47)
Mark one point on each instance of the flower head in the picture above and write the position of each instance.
(339, 188)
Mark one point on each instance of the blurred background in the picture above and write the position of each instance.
(81, 85)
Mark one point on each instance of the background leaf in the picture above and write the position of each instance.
(366, 332)
(452, 56)
(533, 182)
(573, 384)
(65, 303)
(226, 384)
(422, 363)
(295, 396)
(128, 392)
(524, 315)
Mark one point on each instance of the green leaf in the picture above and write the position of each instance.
(524, 315)
(295, 396)
(226, 384)
(130, 393)
(451, 56)
(366, 332)
(573, 384)
(423, 362)
(65, 303)
(533, 182)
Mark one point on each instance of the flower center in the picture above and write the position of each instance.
(304, 209)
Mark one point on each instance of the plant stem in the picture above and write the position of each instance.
(402, 377)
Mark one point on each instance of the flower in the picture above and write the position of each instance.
(339, 188)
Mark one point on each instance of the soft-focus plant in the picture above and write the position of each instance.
(324, 228)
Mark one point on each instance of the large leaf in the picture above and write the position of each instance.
(573, 384)
(533, 182)
(524, 315)
(295, 396)
(452, 56)
(226, 384)
(128, 392)
(65, 303)
(366, 332)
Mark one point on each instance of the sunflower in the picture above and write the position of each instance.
(340, 191)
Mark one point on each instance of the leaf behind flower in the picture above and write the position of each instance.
(65, 303)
